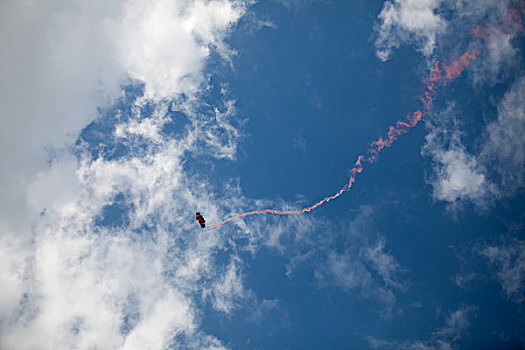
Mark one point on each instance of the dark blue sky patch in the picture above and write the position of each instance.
(176, 125)
(115, 214)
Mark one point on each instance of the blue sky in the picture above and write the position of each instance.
(123, 119)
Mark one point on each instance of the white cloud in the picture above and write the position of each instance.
(61, 60)
(458, 176)
(384, 264)
(456, 173)
(352, 275)
(347, 258)
(504, 146)
(459, 173)
(220, 135)
(426, 24)
(348, 274)
(80, 287)
(169, 316)
(55, 71)
(456, 325)
(13, 255)
(56, 186)
(69, 281)
(508, 261)
(300, 4)
(501, 56)
(165, 43)
(495, 171)
(84, 285)
(228, 289)
(402, 21)
(490, 28)
(493, 166)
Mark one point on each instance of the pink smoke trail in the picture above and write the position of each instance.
(452, 71)
(512, 23)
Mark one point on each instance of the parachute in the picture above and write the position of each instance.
(200, 219)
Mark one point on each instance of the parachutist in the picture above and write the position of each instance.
(200, 219)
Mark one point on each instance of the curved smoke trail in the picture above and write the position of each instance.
(436, 78)
(512, 23)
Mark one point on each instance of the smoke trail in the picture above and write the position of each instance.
(512, 23)
(436, 78)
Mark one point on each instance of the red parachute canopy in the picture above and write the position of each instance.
(200, 219)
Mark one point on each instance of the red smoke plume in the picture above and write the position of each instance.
(511, 24)
(453, 70)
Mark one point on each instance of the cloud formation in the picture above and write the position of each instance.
(95, 250)
(456, 174)
(496, 170)
(62, 60)
(85, 282)
(408, 21)
(504, 148)
(455, 327)
(508, 263)
(351, 261)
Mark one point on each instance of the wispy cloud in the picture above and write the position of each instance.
(408, 21)
(457, 323)
(507, 261)
(456, 174)
(500, 259)
(490, 27)
(496, 171)
(504, 146)
(346, 258)
(384, 264)
(228, 289)
(455, 327)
